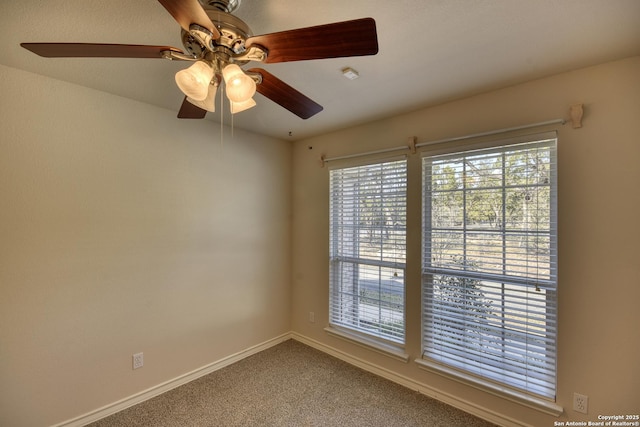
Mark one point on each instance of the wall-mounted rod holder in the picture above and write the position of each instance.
(575, 114)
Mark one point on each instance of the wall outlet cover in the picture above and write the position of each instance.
(138, 360)
(580, 403)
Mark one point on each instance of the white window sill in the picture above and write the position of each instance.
(521, 398)
(389, 350)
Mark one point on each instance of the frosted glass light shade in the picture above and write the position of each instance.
(209, 103)
(194, 81)
(239, 86)
(231, 71)
(237, 107)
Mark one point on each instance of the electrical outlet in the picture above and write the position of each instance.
(138, 360)
(580, 403)
(312, 317)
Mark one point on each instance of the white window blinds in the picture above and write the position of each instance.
(489, 263)
(367, 248)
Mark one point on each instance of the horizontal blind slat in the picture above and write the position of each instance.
(490, 263)
(368, 248)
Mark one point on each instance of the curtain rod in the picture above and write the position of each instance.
(351, 156)
(492, 132)
(412, 144)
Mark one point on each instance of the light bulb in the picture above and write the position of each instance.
(240, 87)
(194, 81)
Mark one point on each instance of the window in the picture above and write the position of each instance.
(489, 267)
(367, 249)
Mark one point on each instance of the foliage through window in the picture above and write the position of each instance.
(489, 263)
(367, 249)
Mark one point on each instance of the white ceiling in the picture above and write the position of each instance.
(431, 51)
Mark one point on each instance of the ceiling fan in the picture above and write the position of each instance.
(218, 44)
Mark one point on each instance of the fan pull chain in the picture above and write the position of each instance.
(222, 122)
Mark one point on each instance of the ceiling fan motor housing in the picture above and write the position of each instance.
(233, 33)
(223, 5)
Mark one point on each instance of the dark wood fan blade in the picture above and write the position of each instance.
(349, 38)
(188, 12)
(96, 50)
(283, 94)
(190, 111)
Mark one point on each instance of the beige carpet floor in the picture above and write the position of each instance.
(291, 384)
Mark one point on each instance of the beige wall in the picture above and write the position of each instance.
(125, 230)
(599, 232)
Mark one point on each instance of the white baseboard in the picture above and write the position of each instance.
(425, 389)
(127, 402)
(412, 384)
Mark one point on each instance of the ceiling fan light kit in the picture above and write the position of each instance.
(194, 81)
(219, 43)
(209, 103)
(239, 86)
(238, 107)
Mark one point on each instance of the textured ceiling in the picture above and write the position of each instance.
(431, 51)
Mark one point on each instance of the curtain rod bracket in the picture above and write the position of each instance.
(412, 144)
(575, 113)
(322, 161)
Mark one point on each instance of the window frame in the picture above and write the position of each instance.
(458, 371)
(339, 324)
